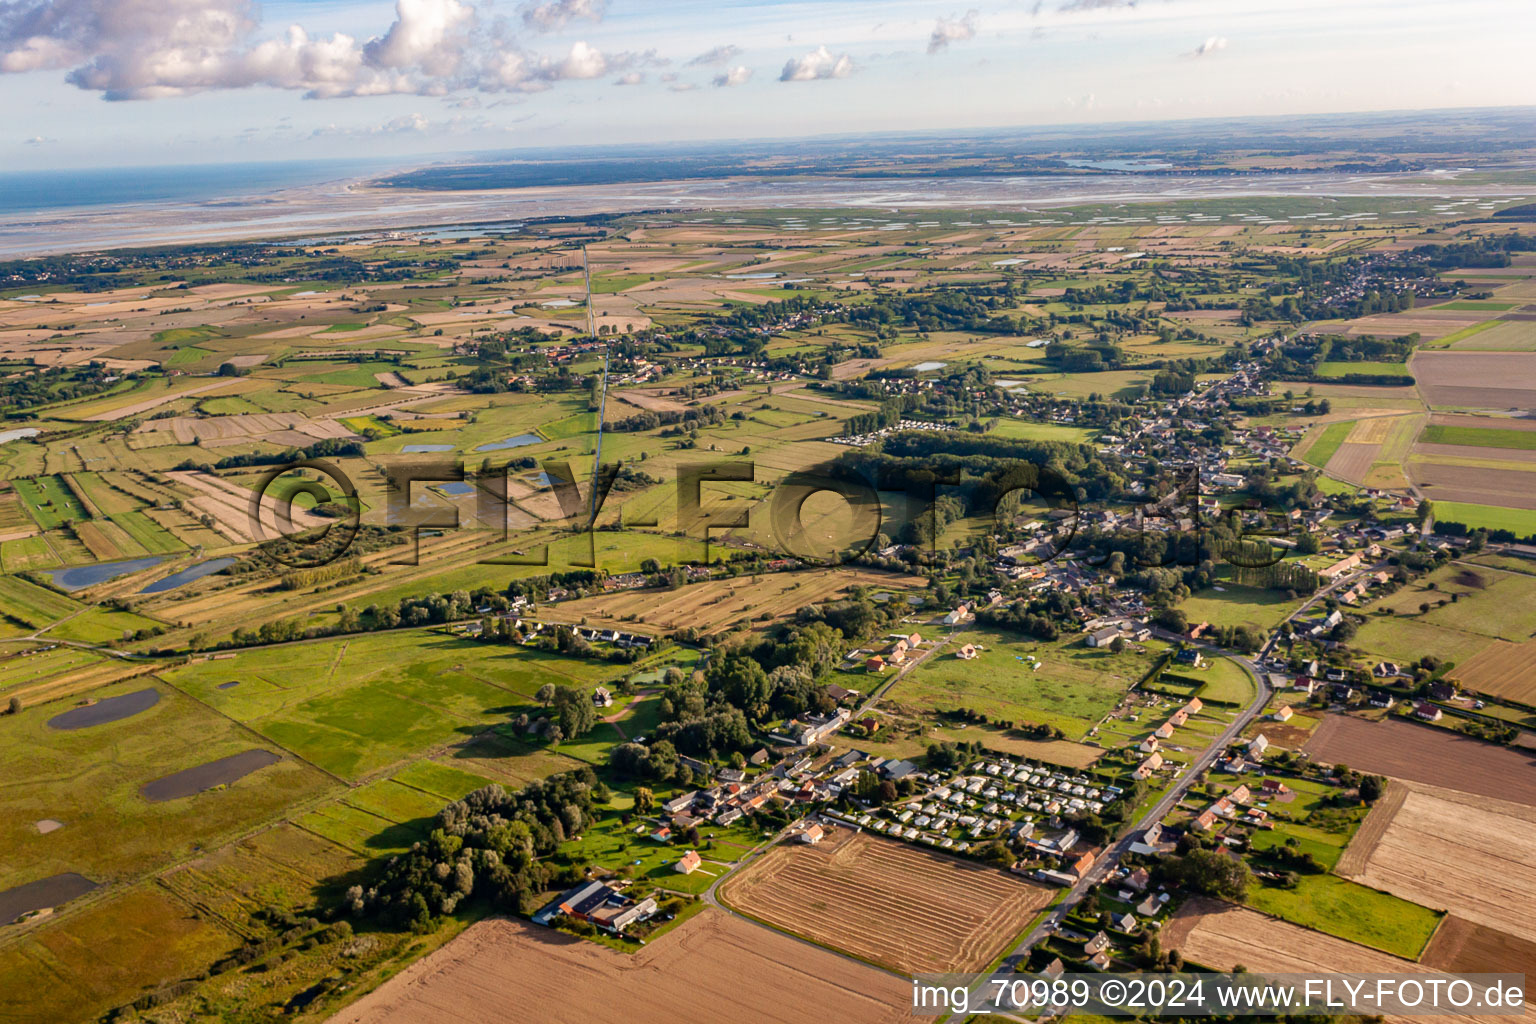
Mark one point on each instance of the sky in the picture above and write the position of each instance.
(105, 83)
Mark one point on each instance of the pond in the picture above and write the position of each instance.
(187, 575)
(222, 772)
(110, 709)
(510, 442)
(930, 365)
(17, 434)
(416, 449)
(79, 577)
(454, 488)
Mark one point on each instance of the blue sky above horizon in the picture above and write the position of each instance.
(93, 83)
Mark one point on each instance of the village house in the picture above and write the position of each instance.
(1258, 745)
(812, 835)
(1428, 712)
(1097, 944)
(967, 652)
(1147, 767)
(1283, 713)
(601, 697)
(688, 862)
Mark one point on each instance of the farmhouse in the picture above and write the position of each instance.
(688, 862)
(1103, 637)
(1283, 713)
(601, 697)
(967, 652)
(812, 835)
(596, 902)
(1258, 745)
(1428, 712)
(875, 665)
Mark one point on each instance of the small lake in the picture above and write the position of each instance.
(111, 709)
(558, 303)
(54, 891)
(81, 576)
(930, 365)
(187, 575)
(417, 449)
(510, 442)
(454, 488)
(191, 781)
(765, 275)
(543, 479)
(17, 434)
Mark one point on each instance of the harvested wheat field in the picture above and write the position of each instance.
(1424, 753)
(1368, 836)
(1491, 843)
(1221, 935)
(1461, 947)
(889, 902)
(711, 969)
(718, 604)
(1502, 669)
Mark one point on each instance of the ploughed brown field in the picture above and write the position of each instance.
(1222, 936)
(1461, 947)
(1502, 669)
(711, 969)
(1483, 485)
(889, 902)
(1426, 754)
(718, 604)
(1491, 843)
(1476, 380)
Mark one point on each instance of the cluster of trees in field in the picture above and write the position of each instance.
(485, 847)
(689, 419)
(1485, 251)
(45, 385)
(325, 448)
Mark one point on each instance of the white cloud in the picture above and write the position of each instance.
(737, 75)
(716, 56)
(682, 86)
(819, 63)
(556, 14)
(630, 78)
(1211, 45)
(427, 34)
(952, 31)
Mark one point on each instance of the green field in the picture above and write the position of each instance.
(1520, 521)
(1465, 305)
(49, 501)
(36, 606)
(1463, 334)
(1338, 369)
(1327, 443)
(100, 625)
(1479, 437)
(355, 705)
(1350, 911)
(1235, 605)
(89, 779)
(1074, 688)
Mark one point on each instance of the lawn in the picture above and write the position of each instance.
(1235, 605)
(612, 845)
(1074, 687)
(1225, 680)
(1350, 911)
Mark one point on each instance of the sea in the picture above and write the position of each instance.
(37, 191)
